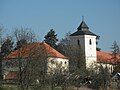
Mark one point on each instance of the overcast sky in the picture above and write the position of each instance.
(102, 17)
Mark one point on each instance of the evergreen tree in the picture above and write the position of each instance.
(97, 48)
(7, 47)
(115, 52)
(115, 48)
(51, 38)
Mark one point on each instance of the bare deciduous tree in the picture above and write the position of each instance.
(77, 66)
(34, 69)
(24, 36)
(57, 76)
(74, 53)
(1, 28)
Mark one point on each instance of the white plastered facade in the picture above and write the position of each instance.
(88, 45)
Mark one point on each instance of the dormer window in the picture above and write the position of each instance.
(90, 42)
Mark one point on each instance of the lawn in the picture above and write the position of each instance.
(8, 87)
(14, 87)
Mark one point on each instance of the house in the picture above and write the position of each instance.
(83, 37)
(41, 53)
(86, 39)
(107, 58)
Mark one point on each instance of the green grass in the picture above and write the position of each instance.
(58, 88)
(45, 88)
(14, 87)
(8, 87)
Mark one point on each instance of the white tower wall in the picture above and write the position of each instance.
(88, 45)
(90, 50)
(74, 41)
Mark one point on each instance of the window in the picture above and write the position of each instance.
(61, 62)
(65, 62)
(78, 42)
(52, 62)
(90, 42)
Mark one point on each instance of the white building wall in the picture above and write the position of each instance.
(109, 66)
(74, 41)
(53, 63)
(89, 50)
(12, 64)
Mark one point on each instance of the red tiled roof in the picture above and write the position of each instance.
(35, 49)
(106, 57)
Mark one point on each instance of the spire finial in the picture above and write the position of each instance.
(82, 18)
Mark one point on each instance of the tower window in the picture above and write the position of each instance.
(90, 42)
(78, 42)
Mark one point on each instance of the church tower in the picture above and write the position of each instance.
(87, 40)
